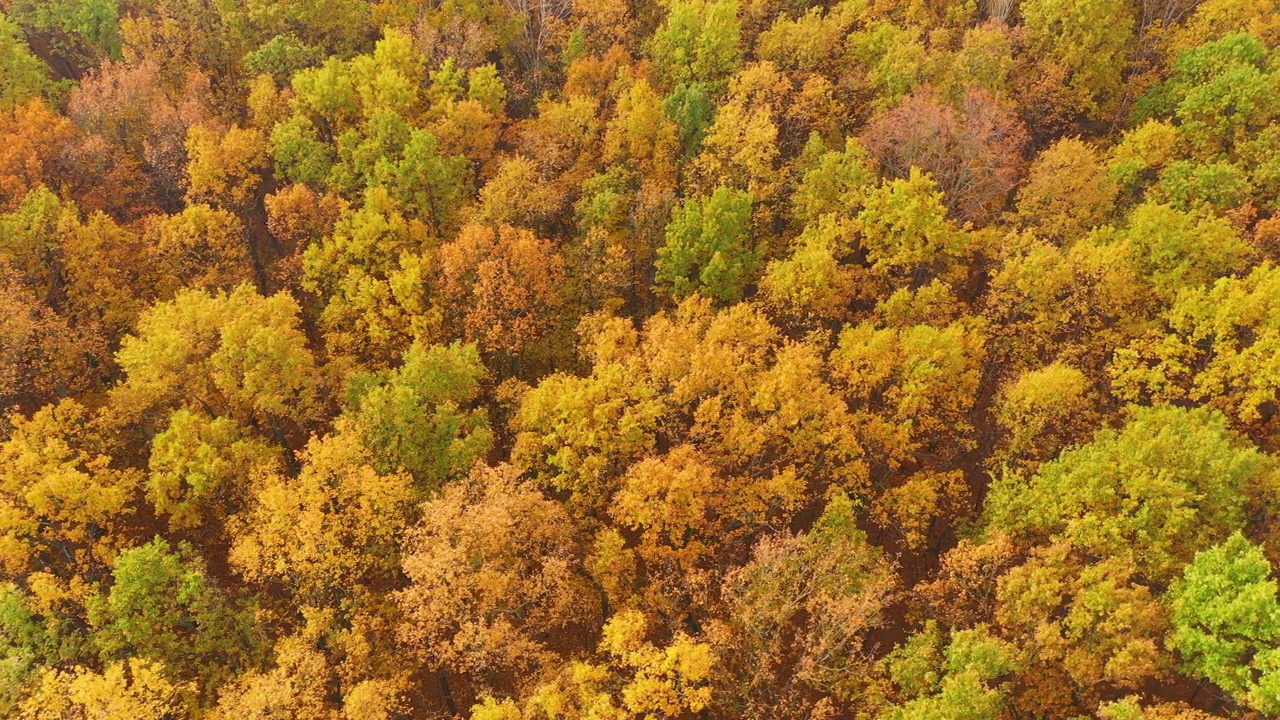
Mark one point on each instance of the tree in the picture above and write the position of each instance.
(1175, 250)
(41, 628)
(1171, 482)
(520, 194)
(132, 108)
(758, 408)
(420, 418)
(22, 75)
(643, 138)
(107, 271)
(1226, 622)
(30, 242)
(1131, 708)
(238, 354)
(803, 609)
(1108, 524)
(496, 584)
(427, 181)
(369, 276)
(1076, 54)
(329, 532)
(960, 682)
(700, 42)
(200, 469)
(35, 143)
(835, 181)
(689, 512)
(973, 150)
(635, 677)
(709, 248)
(351, 116)
(814, 282)
(579, 433)
(504, 285)
(200, 247)
(163, 610)
(741, 149)
(906, 234)
(298, 215)
(224, 168)
(1042, 412)
(335, 26)
(565, 141)
(1072, 304)
(42, 357)
(468, 122)
(299, 686)
(1212, 346)
(1067, 193)
(890, 375)
(67, 508)
(1219, 94)
(132, 690)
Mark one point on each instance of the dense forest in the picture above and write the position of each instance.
(639, 359)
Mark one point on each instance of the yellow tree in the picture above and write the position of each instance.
(329, 532)
(132, 690)
(224, 168)
(1067, 193)
(699, 433)
(42, 356)
(236, 354)
(200, 247)
(1213, 346)
(634, 677)
(911, 390)
(66, 508)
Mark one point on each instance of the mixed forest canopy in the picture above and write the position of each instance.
(639, 359)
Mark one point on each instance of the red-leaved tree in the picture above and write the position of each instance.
(973, 148)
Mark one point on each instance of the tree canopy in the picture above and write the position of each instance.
(639, 359)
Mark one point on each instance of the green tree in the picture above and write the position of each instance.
(36, 632)
(22, 75)
(1175, 250)
(420, 417)
(163, 609)
(709, 248)
(699, 41)
(369, 275)
(960, 683)
(1226, 622)
(1109, 523)
(200, 469)
(1171, 482)
(835, 181)
(1220, 94)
